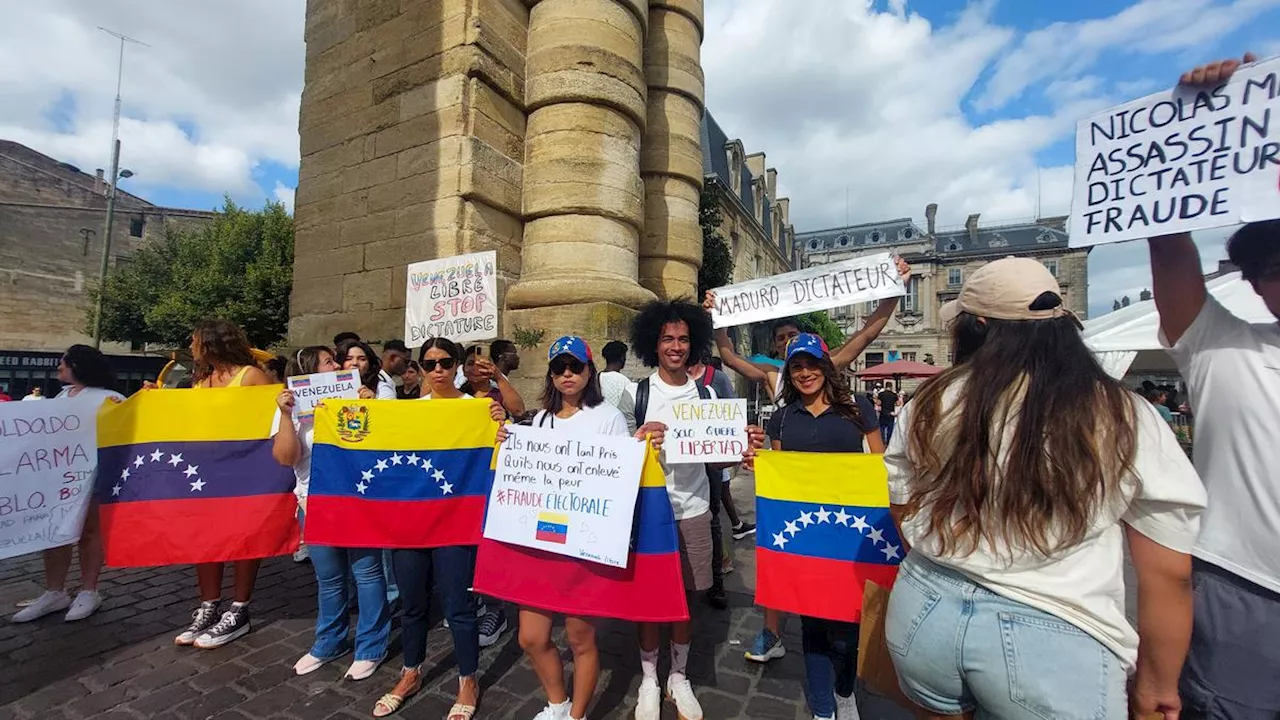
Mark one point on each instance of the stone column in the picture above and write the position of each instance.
(671, 159)
(583, 201)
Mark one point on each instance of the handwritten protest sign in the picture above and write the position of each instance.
(572, 496)
(309, 390)
(48, 454)
(705, 431)
(1180, 160)
(861, 279)
(453, 297)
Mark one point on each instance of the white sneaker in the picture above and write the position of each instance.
(51, 601)
(86, 602)
(681, 691)
(301, 554)
(363, 669)
(847, 708)
(649, 701)
(309, 663)
(555, 712)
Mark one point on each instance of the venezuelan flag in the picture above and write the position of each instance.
(400, 474)
(649, 589)
(823, 530)
(187, 476)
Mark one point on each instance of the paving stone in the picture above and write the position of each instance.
(209, 704)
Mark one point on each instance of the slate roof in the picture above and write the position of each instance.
(715, 167)
(1046, 234)
(868, 235)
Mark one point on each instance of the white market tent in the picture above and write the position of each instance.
(1129, 338)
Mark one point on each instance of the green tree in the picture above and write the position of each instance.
(821, 324)
(717, 262)
(239, 266)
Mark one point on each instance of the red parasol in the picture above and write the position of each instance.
(899, 369)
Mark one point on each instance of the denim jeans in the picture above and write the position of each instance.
(373, 623)
(886, 430)
(959, 647)
(447, 570)
(830, 662)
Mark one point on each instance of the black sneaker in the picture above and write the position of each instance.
(493, 624)
(743, 529)
(717, 598)
(202, 618)
(234, 623)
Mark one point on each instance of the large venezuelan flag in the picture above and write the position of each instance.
(400, 474)
(187, 476)
(823, 530)
(649, 589)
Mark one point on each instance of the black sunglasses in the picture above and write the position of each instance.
(560, 364)
(444, 363)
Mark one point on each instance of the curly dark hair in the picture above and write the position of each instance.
(90, 367)
(222, 343)
(369, 378)
(647, 328)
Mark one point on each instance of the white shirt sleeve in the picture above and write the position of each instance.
(627, 406)
(386, 391)
(1212, 329)
(616, 424)
(895, 460)
(1170, 495)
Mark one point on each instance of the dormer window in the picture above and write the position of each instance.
(1045, 237)
(876, 237)
(813, 244)
(907, 233)
(844, 241)
(953, 246)
(998, 241)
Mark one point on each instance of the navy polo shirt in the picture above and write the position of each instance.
(800, 431)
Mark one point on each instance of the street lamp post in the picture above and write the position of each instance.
(116, 175)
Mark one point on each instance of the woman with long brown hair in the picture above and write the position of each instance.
(1017, 477)
(223, 358)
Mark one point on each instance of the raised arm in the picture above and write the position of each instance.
(1177, 282)
(729, 356)
(876, 323)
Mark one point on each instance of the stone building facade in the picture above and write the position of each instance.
(940, 261)
(52, 217)
(562, 134)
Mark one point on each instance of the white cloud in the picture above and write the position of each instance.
(285, 194)
(214, 95)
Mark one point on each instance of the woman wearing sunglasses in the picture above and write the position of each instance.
(446, 569)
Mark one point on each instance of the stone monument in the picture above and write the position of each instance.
(563, 134)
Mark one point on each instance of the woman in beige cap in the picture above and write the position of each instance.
(1017, 476)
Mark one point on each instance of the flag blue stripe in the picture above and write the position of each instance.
(656, 533)
(343, 472)
(854, 534)
(189, 470)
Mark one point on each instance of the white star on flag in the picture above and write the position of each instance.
(446, 488)
(413, 459)
(842, 517)
(361, 487)
(198, 485)
(791, 528)
(438, 475)
(124, 474)
(823, 515)
(780, 540)
(890, 551)
(876, 535)
(115, 491)
(191, 470)
(426, 464)
(137, 462)
(155, 456)
(805, 519)
(380, 465)
(366, 475)
(396, 459)
(175, 460)
(860, 524)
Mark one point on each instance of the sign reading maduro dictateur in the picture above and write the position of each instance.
(861, 279)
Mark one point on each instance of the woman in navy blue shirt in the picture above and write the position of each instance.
(821, 415)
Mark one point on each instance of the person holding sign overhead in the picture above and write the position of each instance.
(1016, 478)
(1230, 369)
(292, 440)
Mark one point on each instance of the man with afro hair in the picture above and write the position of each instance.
(664, 336)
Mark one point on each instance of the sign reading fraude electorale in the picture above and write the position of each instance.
(454, 297)
(861, 279)
(1181, 160)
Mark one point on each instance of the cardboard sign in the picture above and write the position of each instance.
(48, 459)
(1181, 160)
(309, 390)
(860, 279)
(573, 496)
(705, 431)
(453, 297)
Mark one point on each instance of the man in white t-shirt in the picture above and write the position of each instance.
(618, 389)
(1232, 371)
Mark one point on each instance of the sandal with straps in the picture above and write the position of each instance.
(391, 702)
(465, 712)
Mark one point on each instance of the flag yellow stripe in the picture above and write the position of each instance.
(150, 416)
(652, 475)
(849, 479)
(557, 518)
(408, 424)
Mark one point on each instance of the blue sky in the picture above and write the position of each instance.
(892, 104)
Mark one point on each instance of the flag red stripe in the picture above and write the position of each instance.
(343, 521)
(816, 587)
(181, 532)
(651, 589)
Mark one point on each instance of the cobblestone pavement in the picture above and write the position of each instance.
(121, 662)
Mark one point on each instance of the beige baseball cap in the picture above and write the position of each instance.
(1005, 290)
